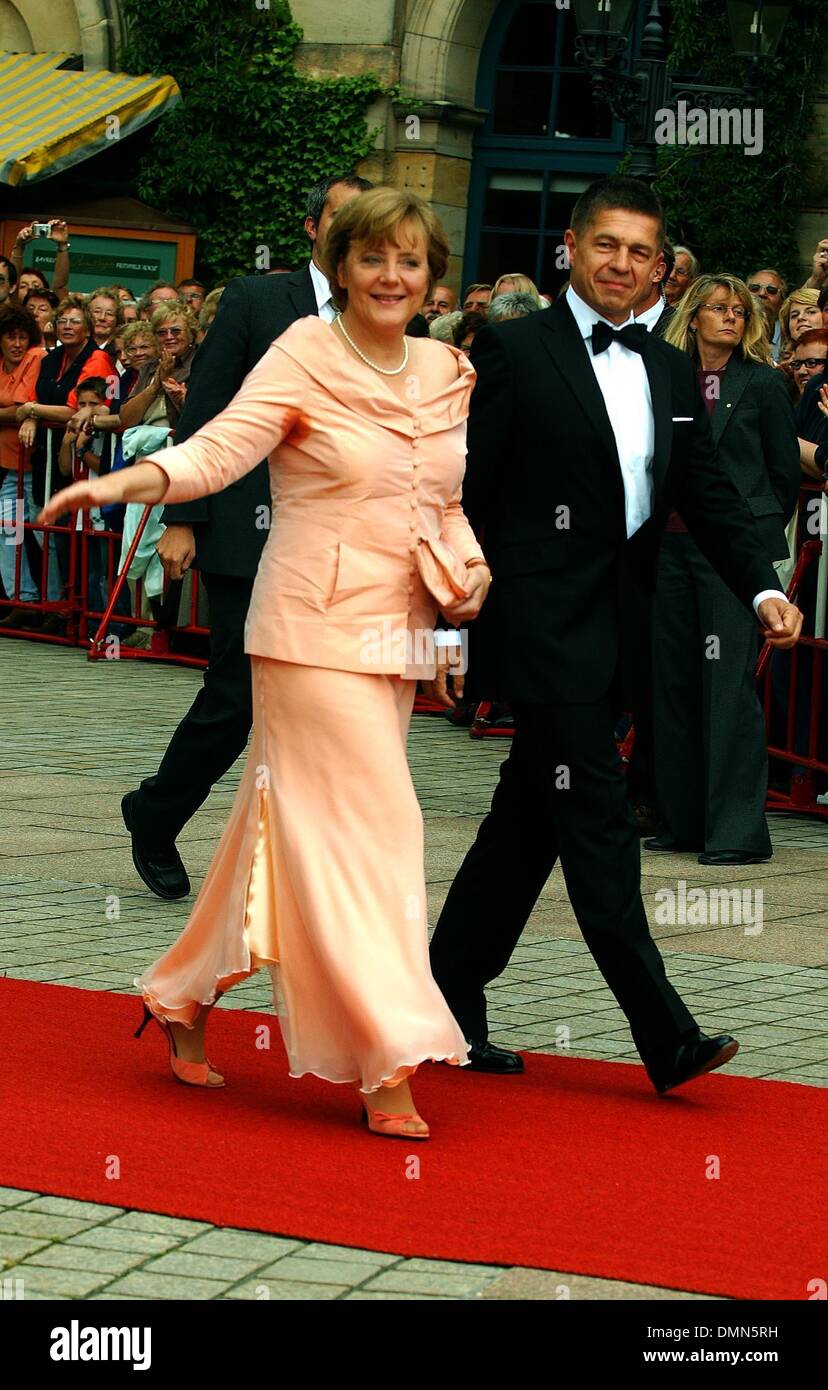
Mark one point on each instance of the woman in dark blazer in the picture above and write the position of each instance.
(710, 746)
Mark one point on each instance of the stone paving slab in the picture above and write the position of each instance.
(70, 858)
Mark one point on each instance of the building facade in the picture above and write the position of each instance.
(495, 124)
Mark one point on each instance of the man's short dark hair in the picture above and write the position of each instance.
(669, 260)
(318, 195)
(93, 383)
(10, 269)
(617, 191)
(199, 285)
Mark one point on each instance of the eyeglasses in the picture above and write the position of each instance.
(772, 290)
(70, 323)
(721, 309)
(809, 362)
(170, 333)
(679, 273)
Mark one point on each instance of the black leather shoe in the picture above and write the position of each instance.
(462, 716)
(667, 845)
(693, 1058)
(733, 856)
(159, 866)
(484, 1056)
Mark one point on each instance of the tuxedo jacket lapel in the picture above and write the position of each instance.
(301, 293)
(658, 375)
(562, 340)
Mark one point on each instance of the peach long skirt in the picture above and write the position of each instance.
(319, 876)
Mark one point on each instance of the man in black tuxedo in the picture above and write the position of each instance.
(581, 439)
(224, 534)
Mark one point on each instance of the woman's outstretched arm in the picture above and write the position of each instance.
(263, 412)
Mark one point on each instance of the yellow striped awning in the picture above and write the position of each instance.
(50, 120)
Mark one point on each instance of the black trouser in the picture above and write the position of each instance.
(711, 749)
(215, 729)
(561, 795)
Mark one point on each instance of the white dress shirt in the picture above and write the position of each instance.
(651, 316)
(622, 378)
(623, 382)
(324, 304)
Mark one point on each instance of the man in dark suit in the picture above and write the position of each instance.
(711, 764)
(652, 310)
(224, 534)
(584, 431)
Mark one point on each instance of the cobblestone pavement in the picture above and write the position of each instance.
(76, 735)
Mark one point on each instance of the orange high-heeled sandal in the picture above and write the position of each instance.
(189, 1073)
(391, 1126)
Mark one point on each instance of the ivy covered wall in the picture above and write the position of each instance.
(741, 212)
(237, 156)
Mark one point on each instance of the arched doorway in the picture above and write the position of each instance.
(92, 28)
(543, 141)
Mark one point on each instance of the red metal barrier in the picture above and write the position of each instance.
(804, 747)
(72, 608)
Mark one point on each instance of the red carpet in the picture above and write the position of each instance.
(576, 1166)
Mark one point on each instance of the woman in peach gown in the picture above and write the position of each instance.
(319, 875)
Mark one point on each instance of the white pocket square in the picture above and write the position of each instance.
(683, 419)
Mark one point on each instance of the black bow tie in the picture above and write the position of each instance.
(634, 336)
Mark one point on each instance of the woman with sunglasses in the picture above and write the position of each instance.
(769, 287)
(710, 747)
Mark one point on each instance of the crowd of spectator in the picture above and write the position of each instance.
(95, 381)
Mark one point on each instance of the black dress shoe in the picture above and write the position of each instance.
(160, 866)
(485, 1056)
(462, 716)
(693, 1058)
(665, 843)
(733, 856)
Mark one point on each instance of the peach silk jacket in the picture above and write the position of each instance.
(359, 482)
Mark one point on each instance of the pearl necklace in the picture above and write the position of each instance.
(395, 371)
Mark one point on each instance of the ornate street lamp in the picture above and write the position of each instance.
(603, 22)
(635, 98)
(756, 27)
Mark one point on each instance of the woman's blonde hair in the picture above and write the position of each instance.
(522, 285)
(209, 308)
(754, 344)
(802, 296)
(172, 310)
(78, 302)
(139, 329)
(374, 218)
